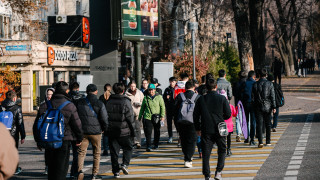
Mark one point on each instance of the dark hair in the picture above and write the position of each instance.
(264, 73)
(258, 73)
(203, 79)
(209, 75)
(54, 85)
(211, 84)
(251, 74)
(11, 94)
(74, 85)
(242, 74)
(105, 87)
(222, 72)
(118, 88)
(172, 79)
(145, 80)
(184, 76)
(190, 84)
(132, 82)
(61, 87)
(270, 77)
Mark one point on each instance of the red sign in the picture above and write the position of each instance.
(85, 30)
(50, 55)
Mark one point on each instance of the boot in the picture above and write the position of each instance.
(229, 153)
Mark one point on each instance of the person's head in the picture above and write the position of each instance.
(74, 86)
(133, 85)
(222, 73)
(92, 89)
(145, 84)
(12, 95)
(173, 81)
(270, 77)
(264, 73)
(152, 89)
(155, 82)
(209, 75)
(62, 87)
(49, 93)
(211, 84)
(242, 74)
(203, 79)
(190, 85)
(54, 85)
(196, 83)
(251, 74)
(107, 87)
(184, 77)
(258, 73)
(128, 73)
(118, 88)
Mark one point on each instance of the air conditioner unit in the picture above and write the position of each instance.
(61, 19)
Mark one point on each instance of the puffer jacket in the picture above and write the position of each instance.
(266, 90)
(169, 102)
(156, 105)
(137, 98)
(72, 123)
(92, 125)
(121, 116)
(225, 85)
(17, 124)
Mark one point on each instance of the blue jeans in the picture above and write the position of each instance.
(251, 120)
(238, 124)
(275, 118)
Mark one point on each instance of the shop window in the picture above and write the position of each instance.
(86, 72)
(5, 27)
(59, 76)
(73, 76)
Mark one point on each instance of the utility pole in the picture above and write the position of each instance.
(137, 58)
(193, 26)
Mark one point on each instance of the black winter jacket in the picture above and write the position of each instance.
(238, 89)
(92, 125)
(72, 123)
(212, 108)
(75, 96)
(266, 90)
(121, 117)
(17, 124)
(169, 102)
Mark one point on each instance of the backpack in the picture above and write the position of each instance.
(6, 117)
(186, 109)
(50, 127)
(223, 93)
(279, 96)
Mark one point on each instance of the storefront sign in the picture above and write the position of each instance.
(85, 30)
(18, 48)
(61, 55)
(140, 20)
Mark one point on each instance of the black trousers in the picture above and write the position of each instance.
(147, 127)
(74, 167)
(207, 141)
(229, 141)
(58, 161)
(277, 76)
(115, 143)
(188, 138)
(263, 121)
(250, 111)
(169, 123)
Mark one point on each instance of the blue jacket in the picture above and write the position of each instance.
(248, 90)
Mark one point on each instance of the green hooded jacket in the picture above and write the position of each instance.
(156, 104)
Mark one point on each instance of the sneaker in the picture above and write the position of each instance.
(188, 164)
(229, 153)
(200, 155)
(138, 145)
(124, 169)
(18, 171)
(274, 130)
(260, 146)
(116, 175)
(45, 170)
(238, 138)
(148, 149)
(80, 175)
(95, 177)
(246, 141)
(179, 144)
(218, 175)
(155, 147)
(170, 140)
(207, 178)
(252, 143)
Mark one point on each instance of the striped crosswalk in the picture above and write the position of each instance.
(167, 162)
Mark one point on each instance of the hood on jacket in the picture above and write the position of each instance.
(7, 103)
(181, 84)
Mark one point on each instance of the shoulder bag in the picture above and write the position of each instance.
(155, 118)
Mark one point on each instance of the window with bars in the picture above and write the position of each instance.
(5, 27)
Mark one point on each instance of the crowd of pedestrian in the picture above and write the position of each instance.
(202, 116)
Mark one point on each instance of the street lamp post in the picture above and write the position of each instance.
(193, 26)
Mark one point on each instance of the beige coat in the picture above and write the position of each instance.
(9, 156)
(136, 99)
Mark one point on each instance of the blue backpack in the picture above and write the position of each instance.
(6, 117)
(50, 127)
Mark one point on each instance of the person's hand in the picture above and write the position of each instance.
(198, 133)
(79, 144)
(162, 119)
(274, 111)
(168, 96)
(22, 141)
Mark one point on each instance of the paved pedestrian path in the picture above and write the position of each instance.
(167, 162)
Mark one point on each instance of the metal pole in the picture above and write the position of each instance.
(137, 58)
(193, 55)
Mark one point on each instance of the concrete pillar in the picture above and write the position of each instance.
(26, 91)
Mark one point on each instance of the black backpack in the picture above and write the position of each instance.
(279, 96)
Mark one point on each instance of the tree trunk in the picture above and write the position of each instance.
(257, 33)
(243, 34)
(285, 49)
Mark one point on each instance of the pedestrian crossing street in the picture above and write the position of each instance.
(167, 162)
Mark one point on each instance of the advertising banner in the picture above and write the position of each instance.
(140, 20)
